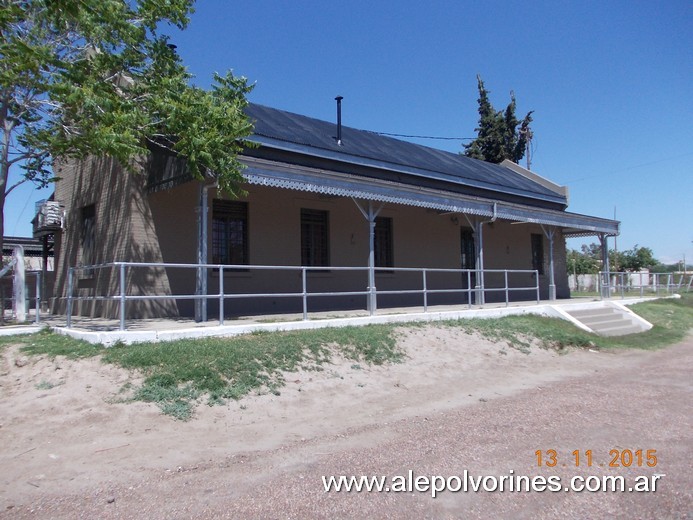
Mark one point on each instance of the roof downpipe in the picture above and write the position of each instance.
(339, 119)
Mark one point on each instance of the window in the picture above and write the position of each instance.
(315, 246)
(230, 232)
(384, 250)
(88, 234)
(538, 252)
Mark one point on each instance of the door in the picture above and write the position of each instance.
(467, 259)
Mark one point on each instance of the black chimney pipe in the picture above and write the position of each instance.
(339, 119)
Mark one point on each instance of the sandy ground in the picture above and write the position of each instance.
(69, 449)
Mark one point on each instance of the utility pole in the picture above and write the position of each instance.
(615, 247)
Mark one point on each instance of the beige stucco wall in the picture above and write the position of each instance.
(422, 238)
(507, 245)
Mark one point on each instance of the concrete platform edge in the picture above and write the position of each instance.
(109, 338)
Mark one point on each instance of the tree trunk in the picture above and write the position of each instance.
(4, 171)
(6, 127)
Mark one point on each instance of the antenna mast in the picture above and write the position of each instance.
(528, 134)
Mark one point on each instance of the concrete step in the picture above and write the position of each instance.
(596, 320)
(620, 330)
(596, 311)
(608, 321)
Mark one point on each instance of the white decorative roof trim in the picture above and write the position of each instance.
(293, 177)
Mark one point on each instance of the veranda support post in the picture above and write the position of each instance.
(19, 284)
(370, 215)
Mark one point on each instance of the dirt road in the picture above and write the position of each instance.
(458, 403)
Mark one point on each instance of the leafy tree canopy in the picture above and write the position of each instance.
(500, 135)
(583, 262)
(588, 259)
(96, 77)
(636, 259)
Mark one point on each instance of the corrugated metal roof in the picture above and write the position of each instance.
(304, 134)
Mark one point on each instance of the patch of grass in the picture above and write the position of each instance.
(229, 368)
(172, 398)
(51, 344)
(177, 374)
(518, 331)
(46, 385)
(672, 320)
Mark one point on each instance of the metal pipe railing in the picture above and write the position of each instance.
(425, 290)
(37, 293)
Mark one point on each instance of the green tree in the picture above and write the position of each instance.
(582, 262)
(589, 259)
(500, 135)
(96, 77)
(636, 259)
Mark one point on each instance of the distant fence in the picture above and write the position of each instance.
(468, 283)
(628, 284)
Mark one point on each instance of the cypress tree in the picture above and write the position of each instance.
(500, 135)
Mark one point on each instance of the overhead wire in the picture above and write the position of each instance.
(442, 138)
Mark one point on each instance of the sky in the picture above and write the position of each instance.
(610, 84)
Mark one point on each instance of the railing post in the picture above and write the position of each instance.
(122, 296)
(70, 275)
(641, 288)
(38, 297)
(304, 293)
(425, 290)
(507, 296)
(372, 299)
(469, 288)
(536, 277)
(221, 295)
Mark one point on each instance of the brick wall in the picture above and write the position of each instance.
(123, 230)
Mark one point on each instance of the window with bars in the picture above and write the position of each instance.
(230, 232)
(538, 252)
(384, 247)
(315, 237)
(88, 234)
